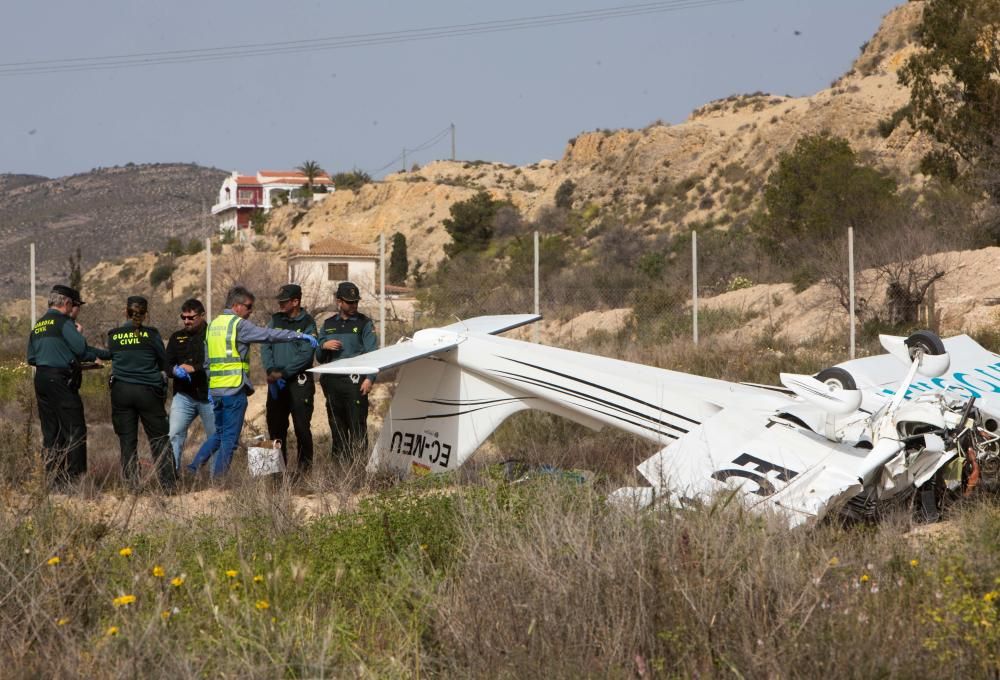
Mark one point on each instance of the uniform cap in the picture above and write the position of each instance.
(72, 293)
(348, 292)
(289, 291)
(137, 301)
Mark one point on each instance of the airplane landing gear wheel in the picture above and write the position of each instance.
(928, 341)
(837, 378)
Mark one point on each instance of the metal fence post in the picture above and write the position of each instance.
(850, 283)
(34, 312)
(694, 285)
(208, 278)
(534, 328)
(381, 298)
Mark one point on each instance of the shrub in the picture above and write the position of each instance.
(353, 180)
(564, 194)
(162, 271)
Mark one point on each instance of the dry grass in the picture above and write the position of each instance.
(470, 575)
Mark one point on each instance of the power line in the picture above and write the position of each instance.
(142, 59)
(435, 139)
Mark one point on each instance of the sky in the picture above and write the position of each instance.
(514, 96)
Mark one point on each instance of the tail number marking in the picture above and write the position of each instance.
(420, 446)
(756, 470)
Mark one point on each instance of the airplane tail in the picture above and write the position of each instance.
(439, 416)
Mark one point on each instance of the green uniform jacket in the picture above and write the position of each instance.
(138, 355)
(289, 358)
(55, 342)
(356, 335)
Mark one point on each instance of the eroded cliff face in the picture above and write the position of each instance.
(707, 170)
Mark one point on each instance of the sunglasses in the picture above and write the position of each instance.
(189, 317)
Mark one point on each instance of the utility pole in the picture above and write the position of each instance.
(404, 159)
(452, 141)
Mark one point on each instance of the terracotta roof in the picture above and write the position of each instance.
(332, 246)
(247, 180)
(292, 176)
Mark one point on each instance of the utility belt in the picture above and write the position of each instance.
(73, 375)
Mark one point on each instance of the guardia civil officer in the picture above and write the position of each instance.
(347, 334)
(227, 345)
(290, 388)
(56, 348)
(138, 393)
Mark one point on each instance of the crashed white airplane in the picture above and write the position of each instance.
(849, 440)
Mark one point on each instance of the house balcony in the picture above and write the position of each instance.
(232, 205)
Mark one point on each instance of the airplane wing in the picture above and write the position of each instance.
(425, 343)
(492, 325)
(974, 372)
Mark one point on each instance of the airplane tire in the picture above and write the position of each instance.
(929, 341)
(837, 377)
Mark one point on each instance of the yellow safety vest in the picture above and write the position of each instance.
(225, 366)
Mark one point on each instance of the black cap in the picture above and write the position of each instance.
(348, 291)
(72, 293)
(289, 291)
(137, 301)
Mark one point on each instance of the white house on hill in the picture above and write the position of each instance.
(319, 268)
(240, 194)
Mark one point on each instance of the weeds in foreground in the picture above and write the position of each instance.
(494, 579)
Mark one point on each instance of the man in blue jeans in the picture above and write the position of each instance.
(186, 359)
(227, 345)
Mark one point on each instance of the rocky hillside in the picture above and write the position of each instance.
(707, 170)
(107, 213)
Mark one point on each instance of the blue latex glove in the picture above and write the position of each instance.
(180, 373)
(274, 388)
(210, 400)
(310, 339)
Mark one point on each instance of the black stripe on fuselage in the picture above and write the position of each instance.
(607, 389)
(581, 395)
(467, 402)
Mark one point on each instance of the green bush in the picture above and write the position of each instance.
(161, 272)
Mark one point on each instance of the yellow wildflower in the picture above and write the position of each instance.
(177, 581)
(125, 552)
(232, 573)
(991, 596)
(258, 579)
(123, 601)
(263, 604)
(112, 631)
(834, 561)
(53, 561)
(865, 578)
(165, 614)
(158, 571)
(914, 562)
(62, 622)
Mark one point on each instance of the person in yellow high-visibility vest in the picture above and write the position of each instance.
(227, 344)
